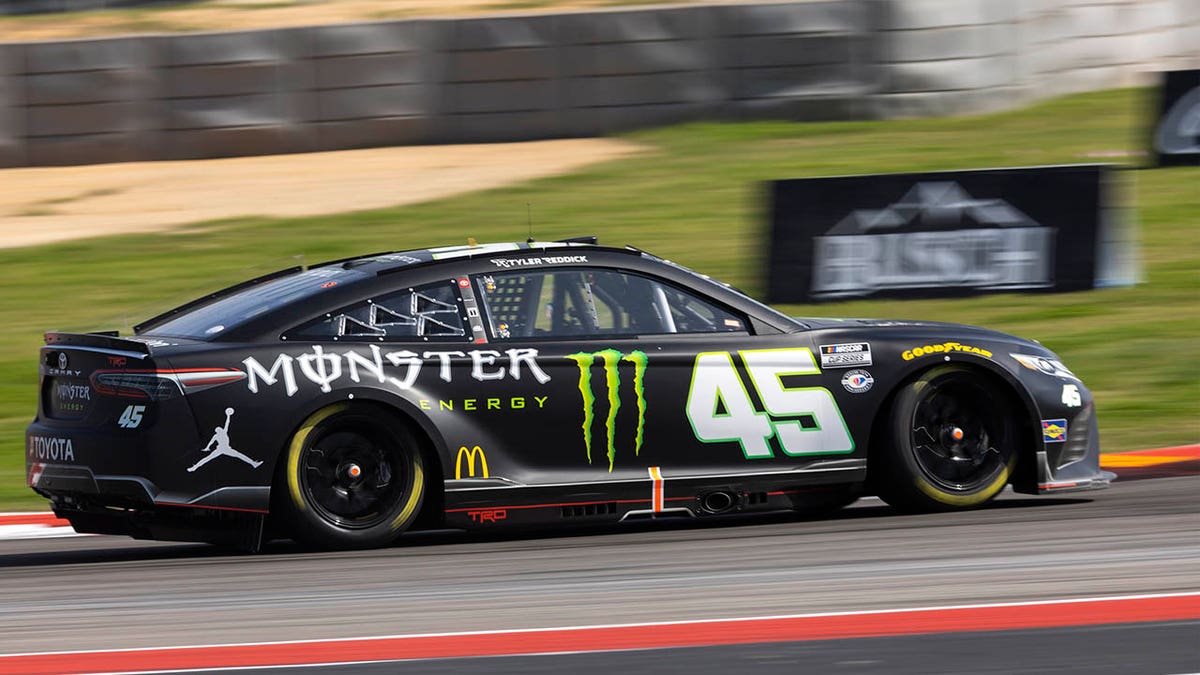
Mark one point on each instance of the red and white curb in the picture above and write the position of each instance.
(38, 525)
(34, 525)
(575, 639)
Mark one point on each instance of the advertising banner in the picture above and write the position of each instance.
(1177, 131)
(943, 234)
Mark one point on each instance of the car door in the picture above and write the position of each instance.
(645, 373)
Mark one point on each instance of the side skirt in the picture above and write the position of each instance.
(658, 495)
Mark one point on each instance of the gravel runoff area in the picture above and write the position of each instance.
(44, 205)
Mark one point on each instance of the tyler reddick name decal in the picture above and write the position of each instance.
(324, 369)
(509, 263)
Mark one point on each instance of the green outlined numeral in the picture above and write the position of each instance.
(720, 410)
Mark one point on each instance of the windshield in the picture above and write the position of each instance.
(785, 320)
(206, 322)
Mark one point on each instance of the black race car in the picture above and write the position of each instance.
(477, 387)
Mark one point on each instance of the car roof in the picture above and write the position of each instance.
(386, 262)
(391, 261)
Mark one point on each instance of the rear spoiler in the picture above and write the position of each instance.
(106, 340)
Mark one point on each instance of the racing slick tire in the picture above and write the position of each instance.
(952, 436)
(353, 477)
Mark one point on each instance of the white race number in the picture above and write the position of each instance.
(132, 417)
(805, 420)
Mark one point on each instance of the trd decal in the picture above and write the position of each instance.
(804, 420)
(611, 360)
(222, 447)
(487, 515)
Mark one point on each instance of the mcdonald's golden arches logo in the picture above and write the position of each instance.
(471, 454)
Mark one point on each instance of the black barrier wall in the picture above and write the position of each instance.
(1176, 134)
(577, 74)
(939, 234)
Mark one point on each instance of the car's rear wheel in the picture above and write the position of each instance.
(354, 477)
(953, 441)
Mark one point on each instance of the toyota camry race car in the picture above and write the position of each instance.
(479, 387)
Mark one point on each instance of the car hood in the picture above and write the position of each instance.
(933, 329)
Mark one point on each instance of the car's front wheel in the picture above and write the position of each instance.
(354, 477)
(953, 441)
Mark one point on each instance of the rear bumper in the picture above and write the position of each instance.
(244, 530)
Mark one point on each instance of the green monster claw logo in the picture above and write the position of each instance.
(611, 359)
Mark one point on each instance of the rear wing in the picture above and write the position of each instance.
(106, 340)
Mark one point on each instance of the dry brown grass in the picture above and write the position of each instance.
(43, 205)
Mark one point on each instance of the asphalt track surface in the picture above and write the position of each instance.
(1138, 537)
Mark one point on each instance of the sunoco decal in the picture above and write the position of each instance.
(944, 348)
(1054, 431)
(846, 355)
(324, 368)
(611, 360)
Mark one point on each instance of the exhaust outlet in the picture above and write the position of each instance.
(719, 501)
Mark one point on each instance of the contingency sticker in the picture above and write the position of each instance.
(846, 355)
(1054, 431)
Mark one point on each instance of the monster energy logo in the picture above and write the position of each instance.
(611, 359)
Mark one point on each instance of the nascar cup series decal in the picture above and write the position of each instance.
(611, 359)
(846, 355)
(801, 420)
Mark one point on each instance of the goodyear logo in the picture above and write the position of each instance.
(944, 348)
(470, 455)
(611, 360)
(1054, 431)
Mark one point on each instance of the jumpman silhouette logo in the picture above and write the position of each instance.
(220, 439)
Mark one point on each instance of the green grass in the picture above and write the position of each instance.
(696, 197)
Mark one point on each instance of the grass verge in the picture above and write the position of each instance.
(697, 199)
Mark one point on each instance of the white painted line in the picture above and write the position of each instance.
(651, 624)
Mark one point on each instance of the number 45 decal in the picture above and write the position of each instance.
(132, 417)
(806, 420)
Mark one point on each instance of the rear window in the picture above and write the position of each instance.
(207, 322)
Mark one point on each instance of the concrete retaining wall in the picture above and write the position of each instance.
(574, 74)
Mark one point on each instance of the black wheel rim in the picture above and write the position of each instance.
(353, 474)
(959, 433)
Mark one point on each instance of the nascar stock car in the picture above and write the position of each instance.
(501, 385)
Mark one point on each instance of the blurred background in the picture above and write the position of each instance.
(153, 152)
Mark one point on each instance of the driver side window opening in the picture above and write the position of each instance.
(430, 311)
(589, 302)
